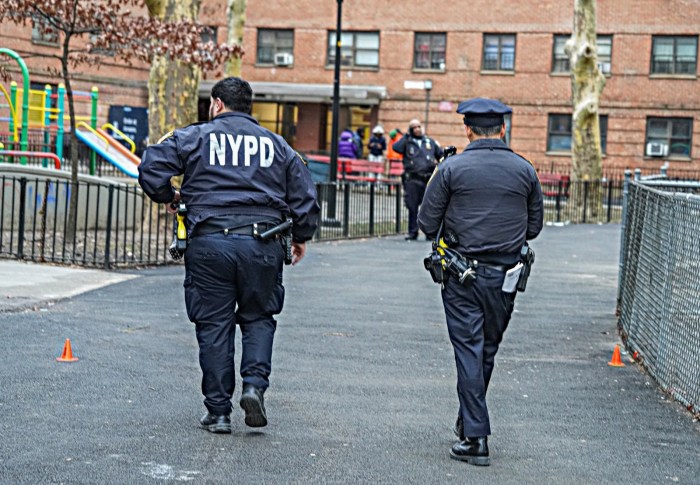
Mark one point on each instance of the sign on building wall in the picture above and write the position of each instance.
(133, 122)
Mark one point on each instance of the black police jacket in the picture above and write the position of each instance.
(490, 197)
(232, 166)
(419, 154)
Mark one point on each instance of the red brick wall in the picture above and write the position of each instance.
(630, 95)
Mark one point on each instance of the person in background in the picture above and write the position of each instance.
(377, 145)
(420, 155)
(347, 148)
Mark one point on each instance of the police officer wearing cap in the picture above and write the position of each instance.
(239, 179)
(420, 154)
(490, 198)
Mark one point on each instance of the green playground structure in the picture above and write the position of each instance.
(41, 113)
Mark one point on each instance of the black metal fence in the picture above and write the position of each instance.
(116, 225)
(659, 284)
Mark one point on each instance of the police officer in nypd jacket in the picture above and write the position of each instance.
(491, 199)
(420, 154)
(237, 176)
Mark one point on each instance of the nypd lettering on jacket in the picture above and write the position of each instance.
(240, 149)
(231, 164)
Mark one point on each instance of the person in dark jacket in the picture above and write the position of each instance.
(239, 179)
(490, 200)
(420, 155)
(347, 147)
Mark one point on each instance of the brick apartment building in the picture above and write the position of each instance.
(512, 51)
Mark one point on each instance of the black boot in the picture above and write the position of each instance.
(253, 404)
(216, 424)
(474, 451)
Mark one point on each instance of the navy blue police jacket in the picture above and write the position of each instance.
(232, 166)
(419, 154)
(490, 197)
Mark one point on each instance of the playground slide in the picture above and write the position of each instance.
(113, 151)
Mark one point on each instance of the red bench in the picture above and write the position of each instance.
(551, 183)
(364, 170)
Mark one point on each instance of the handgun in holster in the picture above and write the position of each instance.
(527, 257)
(444, 261)
(284, 232)
(179, 245)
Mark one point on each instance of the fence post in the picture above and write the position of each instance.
(623, 217)
(371, 209)
(22, 210)
(560, 187)
(346, 209)
(609, 182)
(108, 233)
(585, 199)
(398, 208)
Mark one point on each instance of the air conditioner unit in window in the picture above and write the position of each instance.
(284, 59)
(656, 149)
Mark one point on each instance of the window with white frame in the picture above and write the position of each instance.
(560, 59)
(357, 49)
(671, 137)
(272, 42)
(499, 52)
(559, 131)
(429, 50)
(674, 54)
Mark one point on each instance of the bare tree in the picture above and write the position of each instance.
(587, 83)
(88, 28)
(236, 23)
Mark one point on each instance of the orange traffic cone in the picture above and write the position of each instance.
(616, 360)
(67, 355)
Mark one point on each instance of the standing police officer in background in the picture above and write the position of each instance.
(239, 179)
(420, 154)
(491, 199)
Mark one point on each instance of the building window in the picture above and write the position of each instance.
(669, 137)
(429, 51)
(559, 131)
(604, 48)
(358, 49)
(674, 55)
(499, 52)
(275, 47)
(560, 60)
(42, 33)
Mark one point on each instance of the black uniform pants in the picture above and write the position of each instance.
(233, 279)
(413, 196)
(476, 317)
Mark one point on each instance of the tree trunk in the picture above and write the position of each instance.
(587, 83)
(173, 87)
(236, 23)
(72, 216)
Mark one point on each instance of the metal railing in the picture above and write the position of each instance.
(659, 284)
(116, 225)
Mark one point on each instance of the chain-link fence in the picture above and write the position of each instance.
(659, 287)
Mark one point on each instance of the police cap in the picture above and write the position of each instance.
(483, 111)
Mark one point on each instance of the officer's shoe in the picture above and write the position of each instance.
(411, 237)
(216, 424)
(253, 404)
(474, 451)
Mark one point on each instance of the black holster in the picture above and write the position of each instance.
(527, 257)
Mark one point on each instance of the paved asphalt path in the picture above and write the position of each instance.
(363, 383)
